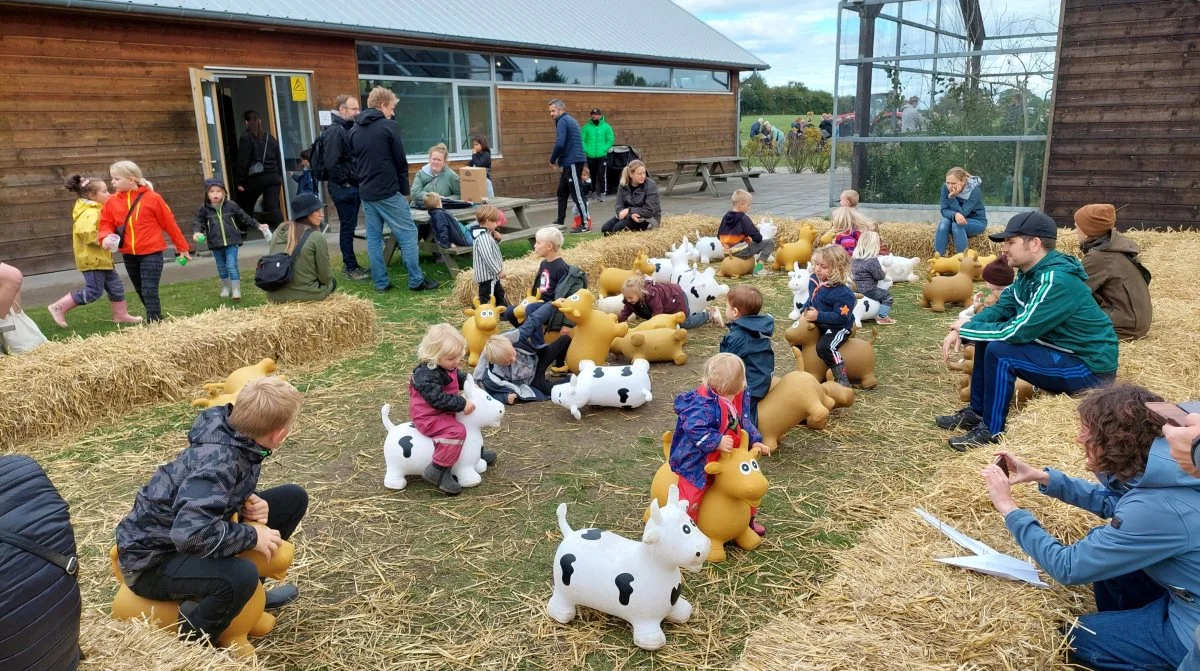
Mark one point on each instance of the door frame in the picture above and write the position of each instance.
(199, 77)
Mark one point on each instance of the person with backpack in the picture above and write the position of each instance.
(333, 163)
(310, 278)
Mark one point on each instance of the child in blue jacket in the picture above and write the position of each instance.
(831, 306)
(749, 338)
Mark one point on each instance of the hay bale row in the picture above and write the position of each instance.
(889, 605)
(66, 385)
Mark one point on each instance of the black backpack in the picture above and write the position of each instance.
(316, 159)
(274, 271)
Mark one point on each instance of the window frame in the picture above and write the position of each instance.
(490, 86)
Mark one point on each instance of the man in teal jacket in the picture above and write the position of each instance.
(1046, 329)
(597, 140)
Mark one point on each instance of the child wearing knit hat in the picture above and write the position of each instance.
(998, 276)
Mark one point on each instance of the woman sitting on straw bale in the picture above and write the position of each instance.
(1118, 280)
(638, 207)
(1142, 564)
(963, 214)
(312, 279)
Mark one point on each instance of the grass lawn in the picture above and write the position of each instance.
(413, 579)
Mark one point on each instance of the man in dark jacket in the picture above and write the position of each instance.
(383, 187)
(568, 154)
(179, 543)
(1045, 329)
(1118, 280)
(343, 181)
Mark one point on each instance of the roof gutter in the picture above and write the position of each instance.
(353, 31)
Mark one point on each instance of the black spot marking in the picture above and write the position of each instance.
(599, 372)
(565, 562)
(591, 534)
(406, 445)
(675, 593)
(695, 293)
(454, 476)
(711, 298)
(623, 394)
(625, 587)
(626, 371)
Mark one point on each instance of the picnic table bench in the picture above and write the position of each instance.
(710, 170)
(517, 228)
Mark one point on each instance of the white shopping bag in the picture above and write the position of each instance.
(18, 333)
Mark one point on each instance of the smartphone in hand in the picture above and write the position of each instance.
(1168, 413)
(1002, 463)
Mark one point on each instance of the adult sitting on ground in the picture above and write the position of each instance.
(1142, 563)
(10, 287)
(638, 207)
(436, 177)
(1045, 329)
(1116, 276)
(963, 214)
(1185, 448)
(312, 279)
(645, 299)
(773, 137)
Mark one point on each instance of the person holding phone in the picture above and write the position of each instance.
(1142, 562)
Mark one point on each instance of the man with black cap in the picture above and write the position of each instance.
(1046, 329)
(597, 140)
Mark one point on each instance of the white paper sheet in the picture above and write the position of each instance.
(986, 560)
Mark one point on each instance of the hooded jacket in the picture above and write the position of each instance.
(150, 219)
(339, 158)
(1050, 305)
(568, 145)
(641, 200)
(501, 380)
(1153, 525)
(187, 505)
(737, 227)
(698, 430)
(597, 138)
(89, 255)
(379, 156)
(834, 304)
(749, 338)
(224, 225)
(445, 183)
(660, 299)
(566, 287)
(968, 202)
(1119, 283)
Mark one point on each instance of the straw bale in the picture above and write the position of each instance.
(136, 646)
(890, 605)
(67, 384)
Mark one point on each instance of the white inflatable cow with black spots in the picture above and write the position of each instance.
(609, 386)
(701, 288)
(407, 452)
(865, 309)
(638, 582)
(709, 248)
(798, 284)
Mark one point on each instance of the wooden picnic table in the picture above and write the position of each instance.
(710, 170)
(517, 228)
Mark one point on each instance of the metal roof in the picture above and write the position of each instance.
(654, 29)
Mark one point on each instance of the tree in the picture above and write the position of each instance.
(550, 75)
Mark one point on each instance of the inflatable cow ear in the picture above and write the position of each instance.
(469, 385)
(673, 495)
(651, 534)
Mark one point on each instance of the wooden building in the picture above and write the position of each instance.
(84, 83)
(1126, 121)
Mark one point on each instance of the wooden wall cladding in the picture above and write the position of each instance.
(79, 91)
(1126, 126)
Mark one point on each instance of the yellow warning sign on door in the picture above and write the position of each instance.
(299, 89)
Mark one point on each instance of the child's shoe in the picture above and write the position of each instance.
(225, 288)
(60, 308)
(237, 289)
(442, 478)
(887, 321)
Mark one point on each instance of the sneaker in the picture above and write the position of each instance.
(976, 437)
(384, 289)
(281, 596)
(357, 274)
(886, 321)
(758, 268)
(488, 456)
(580, 229)
(426, 285)
(966, 419)
(442, 478)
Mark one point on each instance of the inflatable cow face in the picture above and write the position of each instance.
(798, 284)
(702, 289)
(663, 269)
(608, 386)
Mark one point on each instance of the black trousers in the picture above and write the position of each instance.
(829, 343)
(263, 184)
(145, 273)
(555, 352)
(220, 586)
(570, 184)
(616, 225)
(598, 167)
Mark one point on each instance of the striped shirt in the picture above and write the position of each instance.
(486, 256)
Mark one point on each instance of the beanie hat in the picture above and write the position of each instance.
(998, 272)
(1095, 220)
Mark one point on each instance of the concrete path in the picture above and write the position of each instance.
(780, 194)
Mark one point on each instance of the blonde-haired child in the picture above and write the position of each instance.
(849, 198)
(486, 257)
(435, 397)
(738, 234)
(555, 278)
(91, 259)
(831, 306)
(710, 420)
(848, 225)
(867, 273)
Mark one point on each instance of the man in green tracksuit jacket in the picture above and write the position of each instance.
(1046, 329)
(597, 140)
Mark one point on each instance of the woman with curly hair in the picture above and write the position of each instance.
(1144, 564)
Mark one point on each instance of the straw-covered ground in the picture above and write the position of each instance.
(412, 579)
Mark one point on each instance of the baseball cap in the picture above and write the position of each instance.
(1037, 224)
(596, 110)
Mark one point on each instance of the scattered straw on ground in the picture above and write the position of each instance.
(67, 384)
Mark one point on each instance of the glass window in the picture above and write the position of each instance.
(429, 63)
(475, 116)
(700, 80)
(425, 112)
(543, 71)
(632, 75)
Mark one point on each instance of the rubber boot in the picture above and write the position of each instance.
(442, 478)
(60, 308)
(224, 288)
(120, 314)
(237, 289)
(839, 375)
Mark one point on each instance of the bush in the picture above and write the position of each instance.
(768, 157)
(819, 159)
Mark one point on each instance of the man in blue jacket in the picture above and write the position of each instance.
(568, 155)
(383, 187)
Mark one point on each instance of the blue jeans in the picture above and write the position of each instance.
(345, 201)
(945, 227)
(998, 365)
(395, 213)
(226, 258)
(694, 321)
(1131, 631)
